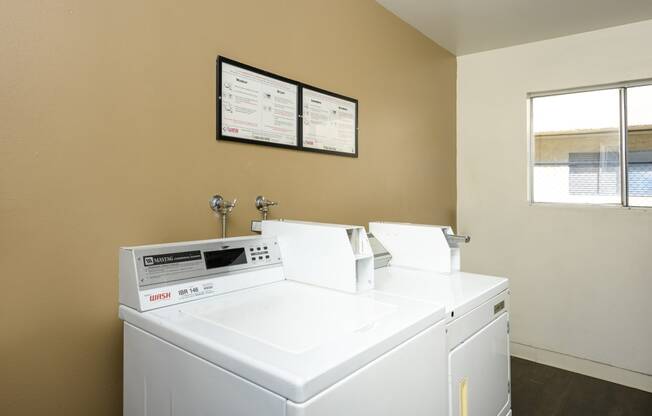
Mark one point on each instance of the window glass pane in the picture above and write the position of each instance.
(577, 148)
(639, 145)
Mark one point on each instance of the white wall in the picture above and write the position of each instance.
(581, 277)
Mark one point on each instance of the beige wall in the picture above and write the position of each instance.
(580, 277)
(107, 135)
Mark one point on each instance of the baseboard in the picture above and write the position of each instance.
(580, 365)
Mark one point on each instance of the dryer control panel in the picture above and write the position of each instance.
(163, 274)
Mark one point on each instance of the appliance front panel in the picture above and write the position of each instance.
(479, 371)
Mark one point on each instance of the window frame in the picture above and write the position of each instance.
(622, 87)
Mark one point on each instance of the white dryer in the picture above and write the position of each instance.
(422, 262)
(214, 327)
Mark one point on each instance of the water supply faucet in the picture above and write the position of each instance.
(263, 204)
(222, 208)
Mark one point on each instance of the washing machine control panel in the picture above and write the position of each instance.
(164, 274)
(164, 264)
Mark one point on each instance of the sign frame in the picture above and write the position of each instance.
(218, 104)
(335, 95)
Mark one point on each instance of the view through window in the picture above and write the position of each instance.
(577, 142)
(639, 145)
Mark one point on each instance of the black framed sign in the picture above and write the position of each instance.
(255, 106)
(329, 122)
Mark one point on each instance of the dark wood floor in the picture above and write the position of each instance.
(539, 390)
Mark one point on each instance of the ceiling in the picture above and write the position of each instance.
(469, 26)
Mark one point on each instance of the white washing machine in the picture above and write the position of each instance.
(215, 328)
(422, 262)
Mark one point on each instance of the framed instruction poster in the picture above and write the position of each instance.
(255, 106)
(329, 122)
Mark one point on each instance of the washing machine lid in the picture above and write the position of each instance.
(290, 338)
(459, 292)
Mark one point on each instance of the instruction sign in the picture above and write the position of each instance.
(329, 122)
(256, 106)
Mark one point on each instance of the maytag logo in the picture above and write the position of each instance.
(159, 296)
(169, 258)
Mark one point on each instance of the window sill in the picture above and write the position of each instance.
(588, 206)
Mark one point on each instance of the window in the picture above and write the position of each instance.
(592, 146)
(639, 146)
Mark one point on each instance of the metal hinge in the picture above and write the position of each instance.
(508, 327)
(509, 387)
